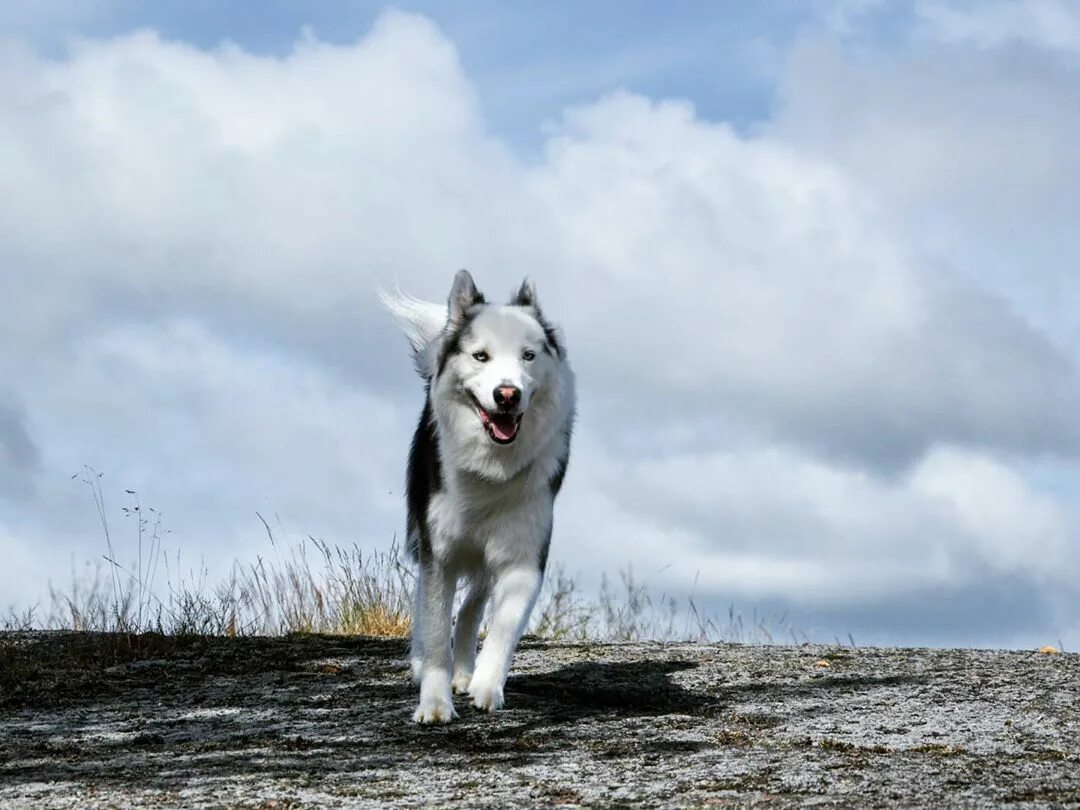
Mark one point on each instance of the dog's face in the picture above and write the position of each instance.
(496, 359)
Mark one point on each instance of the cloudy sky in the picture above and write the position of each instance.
(816, 263)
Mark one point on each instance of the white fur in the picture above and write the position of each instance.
(491, 520)
(422, 322)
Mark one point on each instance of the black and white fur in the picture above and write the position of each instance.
(487, 460)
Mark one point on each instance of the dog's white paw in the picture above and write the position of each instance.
(486, 696)
(433, 711)
(461, 682)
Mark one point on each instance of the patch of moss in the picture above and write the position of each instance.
(733, 737)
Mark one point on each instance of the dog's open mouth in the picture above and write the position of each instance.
(501, 427)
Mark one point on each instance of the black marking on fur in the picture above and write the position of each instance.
(556, 480)
(452, 343)
(552, 345)
(555, 484)
(544, 549)
(450, 347)
(424, 480)
(526, 298)
(550, 335)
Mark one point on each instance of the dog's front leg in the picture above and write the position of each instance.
(514, 592)
(465, 631)
(435, 598)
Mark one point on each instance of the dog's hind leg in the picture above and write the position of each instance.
(465, 631)
(514, 592)
(434, 603)
(416, 647)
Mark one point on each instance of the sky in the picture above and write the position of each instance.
(815, 263)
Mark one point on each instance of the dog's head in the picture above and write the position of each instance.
(496, 359)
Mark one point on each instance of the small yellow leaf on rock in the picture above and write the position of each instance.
(822, 664)
(1048, 650)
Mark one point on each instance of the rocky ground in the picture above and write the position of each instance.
(101, 720)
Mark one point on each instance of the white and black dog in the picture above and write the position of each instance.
(487, 460)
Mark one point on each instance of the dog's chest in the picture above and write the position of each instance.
(478, 519)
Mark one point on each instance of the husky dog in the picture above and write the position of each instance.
(487, 460)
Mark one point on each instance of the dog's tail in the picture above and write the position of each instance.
(422, 322)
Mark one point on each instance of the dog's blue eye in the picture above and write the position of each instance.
(481, 356)
(529, 354)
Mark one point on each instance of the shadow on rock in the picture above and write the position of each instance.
(645, 688)
(620, 689)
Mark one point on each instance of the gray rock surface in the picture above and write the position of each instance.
(99, 720)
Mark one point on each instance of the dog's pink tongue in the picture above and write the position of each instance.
(504, 426)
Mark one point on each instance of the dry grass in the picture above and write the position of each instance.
(310, 586)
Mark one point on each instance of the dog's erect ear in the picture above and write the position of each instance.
(463, 296)
(526, 295)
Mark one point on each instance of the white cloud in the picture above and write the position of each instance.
(779, 524)
(976, 139)
(1051, 24)
(210, 432)
(968, 151)
(157, 170)
(765, 284)
(776, 387)
(1008, 525)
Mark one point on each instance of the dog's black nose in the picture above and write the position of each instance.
(507, 396)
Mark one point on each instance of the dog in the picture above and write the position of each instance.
(486, 462)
